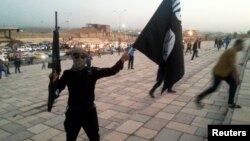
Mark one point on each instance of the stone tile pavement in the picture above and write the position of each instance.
(125, 111)
(242, 116)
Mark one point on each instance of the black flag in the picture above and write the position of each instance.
(161, 41)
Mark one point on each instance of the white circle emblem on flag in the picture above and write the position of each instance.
(168, 44)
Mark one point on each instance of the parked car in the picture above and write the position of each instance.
(21, 48)
(2, 58)
(27, 54)
(6, 49)
(38, 55)
(60, 53)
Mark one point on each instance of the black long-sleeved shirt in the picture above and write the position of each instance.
(195, 46)
(81, 84)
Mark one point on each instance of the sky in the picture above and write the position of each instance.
(204, 15)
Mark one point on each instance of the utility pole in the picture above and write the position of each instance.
(120, 18)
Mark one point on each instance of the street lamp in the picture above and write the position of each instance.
(190, 33)
(120, 18)
(123, 27)
(67, 16)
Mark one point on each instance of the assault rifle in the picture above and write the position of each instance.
(56, 67)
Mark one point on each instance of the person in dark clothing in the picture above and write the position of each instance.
(189, 47)
(198, 46)
(195, 49)
(81, 110)
(7, 63)
(17, 62)
(199, 43)
(227, 41)
(99, 53)
(159, 79)
(119, 50)
(2, 69)
(89, 60)
(216, 42)
(220, 42)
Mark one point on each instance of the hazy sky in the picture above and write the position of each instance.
(205, 15)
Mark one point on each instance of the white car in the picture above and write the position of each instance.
(28, 54)
(21, 48)
(6, 49)
(60, 53)
(40, 55)
(3, 56)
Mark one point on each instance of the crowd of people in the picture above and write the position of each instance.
(4, 66)
(193, 46)
(219, 42)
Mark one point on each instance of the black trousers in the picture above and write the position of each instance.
(188, 50)
(157, 84)
(7, 68)
(87, 120)
(216, 82)
(17, 68)
(195, 53)
(131, 62)
(6, 74)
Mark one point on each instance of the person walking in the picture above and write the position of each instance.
(199, 43)
(131, 53)
(17, 62)
(89, 60)
(99, 53)
(227, 41)
(43, 64)
(225, 69)
(7, 63)
(216, 43)
(220, 42)
(119, 50)
(159, 80)
(2, 69)
(112, 50)
(81, 110)
(195, 49)
(189, 47)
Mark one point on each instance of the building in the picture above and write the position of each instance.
(7, 31)
(100, 31)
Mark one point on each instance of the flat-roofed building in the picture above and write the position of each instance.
(7, 31)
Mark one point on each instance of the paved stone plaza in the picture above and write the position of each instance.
(125, 110)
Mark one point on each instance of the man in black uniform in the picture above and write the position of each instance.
(195, 49)
(81, 80)
(160, 79)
